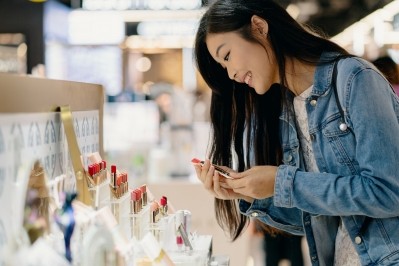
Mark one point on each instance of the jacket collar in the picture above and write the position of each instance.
(323, 74)
(321, 81)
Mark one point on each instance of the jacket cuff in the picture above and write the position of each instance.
(257, 208)
(284, 185)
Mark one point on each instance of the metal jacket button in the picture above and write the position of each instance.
(343, 126)
(358, 240)
(313, 102)
(289, 158)
(255, 214)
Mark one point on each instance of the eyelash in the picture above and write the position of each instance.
(226, 58)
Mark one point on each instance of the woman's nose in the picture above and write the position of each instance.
(232, 74)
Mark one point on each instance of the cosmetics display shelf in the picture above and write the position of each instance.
(59, 198)
(129, 227)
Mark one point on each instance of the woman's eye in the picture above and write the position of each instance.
(226, 58)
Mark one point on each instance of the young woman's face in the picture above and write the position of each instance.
(245, 62)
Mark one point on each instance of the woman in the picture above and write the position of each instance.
(304, 162)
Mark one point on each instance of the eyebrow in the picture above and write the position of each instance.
(218, 49)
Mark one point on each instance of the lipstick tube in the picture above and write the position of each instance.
(183, 217)
(184, 235)
(113, 175)
(103, 172)
(179, 242)
(99, 188)
(126, 183)
(134, 218)
(143, 189)
(163, 208)
(133, 203)
(154, 211)
(93, 173)
(90, 169)
(154, 226)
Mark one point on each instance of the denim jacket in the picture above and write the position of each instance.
(359, 167)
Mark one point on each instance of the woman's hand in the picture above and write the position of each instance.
(215, 183)
(257, 182)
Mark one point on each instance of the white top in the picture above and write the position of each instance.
(345, 253)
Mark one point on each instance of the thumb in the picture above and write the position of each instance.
(236, 175)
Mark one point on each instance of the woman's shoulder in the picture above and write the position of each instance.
(347, 68)
(353, 64)
(347, 62)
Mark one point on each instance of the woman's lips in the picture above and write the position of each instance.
(248, 78)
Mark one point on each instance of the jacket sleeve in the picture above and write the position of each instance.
(286, 219)
(372, 111)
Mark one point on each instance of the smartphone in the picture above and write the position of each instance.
(217, 168)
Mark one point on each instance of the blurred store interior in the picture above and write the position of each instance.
(156, 109)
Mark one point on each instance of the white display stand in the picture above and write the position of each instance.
(187, 195)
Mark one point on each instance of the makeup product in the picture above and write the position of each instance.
(118, 184)
(154, 211)
(163, 208)
(179, 242)
(183, 217)
(98, 184)
(140, 215)
(154, 226)
(91, 170)
(125, 183)
(143, 189)
(187, 221)
(154, 251)
(217, 168)
(113, 176)
(134, 207)
(182, 232)
(139, 199)
(179, 219)
(94, 157)
(119, 189)
(121, 201)
(93, 174)
(98, 172)
(145, 212)
(134, 217)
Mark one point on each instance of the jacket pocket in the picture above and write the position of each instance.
(340, 144)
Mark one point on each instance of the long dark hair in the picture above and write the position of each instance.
(242, 121)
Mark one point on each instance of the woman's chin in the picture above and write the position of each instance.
(260, 91)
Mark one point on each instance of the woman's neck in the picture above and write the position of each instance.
(299, 75)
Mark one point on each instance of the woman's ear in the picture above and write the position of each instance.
(259, 25)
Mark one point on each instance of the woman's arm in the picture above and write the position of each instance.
(373, 190)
